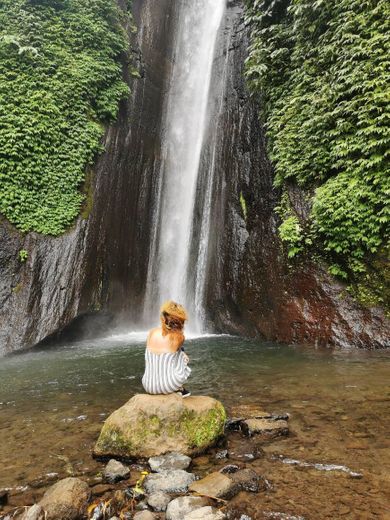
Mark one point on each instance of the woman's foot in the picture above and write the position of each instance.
(183, 393)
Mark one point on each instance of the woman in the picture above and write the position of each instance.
(166, 363)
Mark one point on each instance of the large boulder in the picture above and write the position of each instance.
(150, 425)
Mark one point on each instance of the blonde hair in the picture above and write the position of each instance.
(173, 316)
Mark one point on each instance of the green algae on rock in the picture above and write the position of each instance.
(149, 425)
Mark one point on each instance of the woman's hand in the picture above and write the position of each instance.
(186, 358)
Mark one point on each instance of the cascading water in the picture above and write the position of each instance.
(185, 124)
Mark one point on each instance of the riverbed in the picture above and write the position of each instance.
(54, 401)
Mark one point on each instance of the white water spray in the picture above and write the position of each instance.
(185, 124)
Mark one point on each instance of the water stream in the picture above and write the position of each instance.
(185, 122)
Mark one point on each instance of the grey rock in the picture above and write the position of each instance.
(176, 481)
(115, 471)
(158, 501)
(205, 513)
(66, 500)
(181, 506)
(144, 515)
(34, 512)
(169, 461)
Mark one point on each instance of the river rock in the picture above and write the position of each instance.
(150, 425)
(248, 480)
(169, 461)
(270, 428)
(158, 501)
(34, 512)
(215, 485)
(115, 471)
(205, 513)
(144, 515)
(181, 506)
(176, 481)
(66, 500)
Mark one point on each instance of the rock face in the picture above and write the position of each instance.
(151, 425)
(97, 270)
(66, 500)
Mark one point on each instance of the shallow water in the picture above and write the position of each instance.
(53, 402)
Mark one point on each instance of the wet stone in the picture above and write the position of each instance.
(205, 513)
(158, 501)
(249, 480)
(269, 428)
(170, 461)
(179, 507)
(222, 454)
(116, 471)
(244, 449)
(215, 485)
(176, 481)
(230, 468)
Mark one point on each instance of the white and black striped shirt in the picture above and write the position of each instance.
(165, 373)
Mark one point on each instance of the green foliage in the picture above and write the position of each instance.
(321, 70)
(60, 82)
(23, 255)
(244, 208)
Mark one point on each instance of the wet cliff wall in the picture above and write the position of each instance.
(253, 288)
(98, 268)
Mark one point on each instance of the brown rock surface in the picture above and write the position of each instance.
(215, 485)
(66, 500)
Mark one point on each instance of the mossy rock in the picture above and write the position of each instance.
(149, 425)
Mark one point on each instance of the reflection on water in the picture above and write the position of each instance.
(52, 402)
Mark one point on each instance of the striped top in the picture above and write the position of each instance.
(165, 373)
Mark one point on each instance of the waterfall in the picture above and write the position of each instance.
(186, 117)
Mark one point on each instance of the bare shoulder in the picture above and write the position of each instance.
(176, 340)
(151, 333)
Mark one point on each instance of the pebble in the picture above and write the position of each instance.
(205, 513)
(181, 506)
(248, 480)
(176, 481)
(158, 501)
(168, 462)
(144, 515)
(215, 485)
(115, 471)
